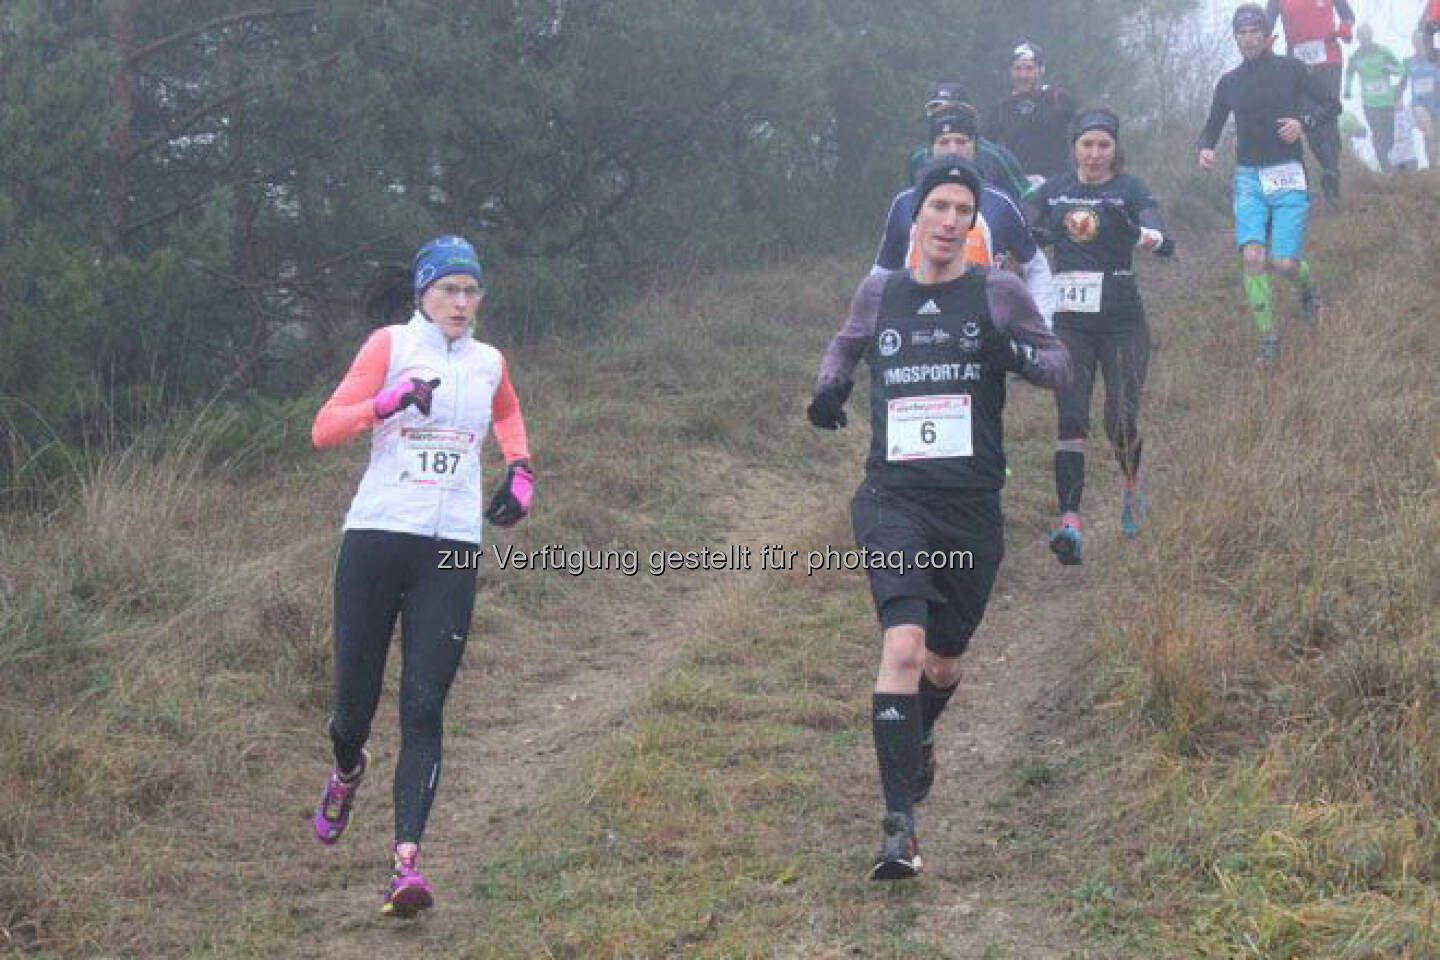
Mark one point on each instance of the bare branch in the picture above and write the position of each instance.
(230, 19)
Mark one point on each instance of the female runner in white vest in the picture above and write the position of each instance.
(427, 392)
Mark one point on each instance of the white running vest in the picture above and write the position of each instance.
(424, 471)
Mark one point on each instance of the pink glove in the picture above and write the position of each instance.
(417, 393)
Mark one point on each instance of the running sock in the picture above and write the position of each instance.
(1262, 300)
(895, 720)
(932, 703)
(1302, 277)
(1069, 479)
(1129, 458)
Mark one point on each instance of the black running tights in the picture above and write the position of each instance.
(380, 576)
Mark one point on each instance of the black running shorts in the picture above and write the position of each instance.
(932, 555)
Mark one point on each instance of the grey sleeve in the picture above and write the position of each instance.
(1014, 312)
(837, 364)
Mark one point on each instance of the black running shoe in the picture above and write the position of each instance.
(925, 776)
(1330, 184)
(899, 856)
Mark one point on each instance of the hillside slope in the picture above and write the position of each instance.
(679, 765)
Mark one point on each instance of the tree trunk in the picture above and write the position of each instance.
(120, 21)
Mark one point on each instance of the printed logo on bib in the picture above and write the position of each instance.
(1282, 176)
(929, 428)
(1079, 291)
(1378, 87)
(439, 457)
(889, 343)
(1310, 52)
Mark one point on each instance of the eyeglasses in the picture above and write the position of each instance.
(455, 291)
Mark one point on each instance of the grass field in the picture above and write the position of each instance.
(1243, 763)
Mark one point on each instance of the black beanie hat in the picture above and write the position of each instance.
(948, 169)
(957, 119)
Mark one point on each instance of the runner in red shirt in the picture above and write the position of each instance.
(1429, 24)
(1312, 35)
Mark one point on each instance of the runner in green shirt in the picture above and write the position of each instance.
(1377, 67)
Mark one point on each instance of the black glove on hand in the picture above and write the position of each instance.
(1114, 217)
(827, 407)
(417, 393)
(511, 501)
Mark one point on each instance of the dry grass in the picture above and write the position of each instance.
(167, 627)
(1272, 639)
(1277, 636)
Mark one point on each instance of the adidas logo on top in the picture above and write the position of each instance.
(889, 713)
(929, 309)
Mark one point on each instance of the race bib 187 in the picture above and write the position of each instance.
(1378, 87)
(1282, 176)
(439, 457)
(928, 428)
(1079, 291)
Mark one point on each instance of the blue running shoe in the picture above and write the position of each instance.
(1065, 539)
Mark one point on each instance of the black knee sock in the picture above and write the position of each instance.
(932, 703)
(895, 720)
(1129, 458)
(1069, 479)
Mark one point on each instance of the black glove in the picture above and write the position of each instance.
(417, 393)
(1021, 357)
(1114, 217)
(511, 501)
(827, 407)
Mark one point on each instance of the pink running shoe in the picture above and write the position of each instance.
(409, 891)
(332, 814)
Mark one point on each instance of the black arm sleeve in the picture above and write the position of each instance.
(1341, 7)
(1327, 105)
(1219, 113)
(1034, 210)
(1150, 217)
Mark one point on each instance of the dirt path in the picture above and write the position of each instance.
(1003, 746)
(517, 725)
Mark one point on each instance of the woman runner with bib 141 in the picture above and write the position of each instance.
(1096, 216)
(427, 392)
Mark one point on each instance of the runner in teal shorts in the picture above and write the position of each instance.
(1275, 100)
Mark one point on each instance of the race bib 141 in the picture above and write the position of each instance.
(1079, 291)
